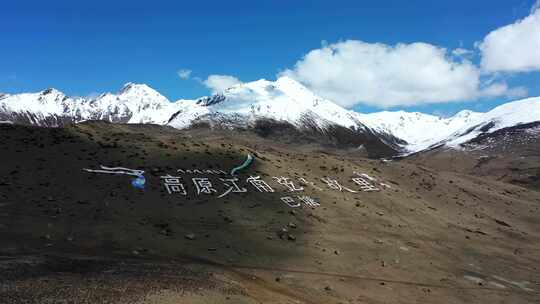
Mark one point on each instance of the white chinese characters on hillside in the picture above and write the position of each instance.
(209, 182)
(204, 186)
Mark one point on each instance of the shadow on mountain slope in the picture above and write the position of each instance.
(333, 137)
(53, 204)
(426, 236)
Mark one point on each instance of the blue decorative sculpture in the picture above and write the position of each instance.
(246, 164)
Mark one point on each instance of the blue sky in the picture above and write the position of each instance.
(85, 47)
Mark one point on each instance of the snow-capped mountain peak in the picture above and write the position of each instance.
(134, 103)
(141, 94)
(284, 100)
(51, 91)
(504, 116)
(139, 89)
(47, 101)
(419, 130)
(51, 96)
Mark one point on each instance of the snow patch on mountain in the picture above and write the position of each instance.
(135, 103)
(419, 130)
(49, 101)
(282, 100)
(504, 116)
(145, 104)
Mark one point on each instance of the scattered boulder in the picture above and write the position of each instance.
(166, 232)
(282, 233)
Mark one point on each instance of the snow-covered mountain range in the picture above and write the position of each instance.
(284, 100)
(134, 103)
(419, 130)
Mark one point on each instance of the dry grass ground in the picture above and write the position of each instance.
(70, 236)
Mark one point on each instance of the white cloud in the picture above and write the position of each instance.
(514, 47)
(461, 52)
(218, 83)
(500, 89)
(353, 72)
(535, 6)
(184, 73)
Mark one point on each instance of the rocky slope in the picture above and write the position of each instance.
(509, 154)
